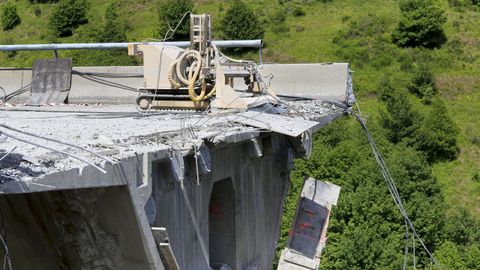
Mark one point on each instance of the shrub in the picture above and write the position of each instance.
(68, 15)
(298, 11)
(170, 12)
(363, 42)
(462, 3)
(277, 21)
(385, 88)
(240, 22)
(37, 11)
(299, 28)
(421, 24)
(113, 30)
(474, 139)
(10, 17)
(423, 83)
(399, 120)
(461, 228)
(437, 137)
(476, 177)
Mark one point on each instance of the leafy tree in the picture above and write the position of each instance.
(10, 17)
(385, 88)
(240, 22)
(114, 29)
(170, 13)
(450, 256)
(437, 136)
(472, 256)
(298, 12)
(462, 228)
(366, 230)
(400, 120)
(423, 83)
(68, 15)
(421, 24)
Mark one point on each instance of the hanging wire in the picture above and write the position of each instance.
(15, 93)
(57, 141)
(8, 153)
(393, 188)
(55, 150)
(195, 222)
(3, 240)
(4, 93)
(100, 80)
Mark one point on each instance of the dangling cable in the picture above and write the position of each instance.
(393, 189)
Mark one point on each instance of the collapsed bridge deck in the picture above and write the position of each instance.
(215, 180)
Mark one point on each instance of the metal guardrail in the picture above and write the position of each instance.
(257, 43)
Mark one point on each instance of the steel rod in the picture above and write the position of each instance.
(256, 43)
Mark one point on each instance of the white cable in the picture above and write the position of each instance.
(393, 189)
(55, 150)
(57, 141)
(195, 222)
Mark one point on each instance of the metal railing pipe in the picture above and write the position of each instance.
(257, 43)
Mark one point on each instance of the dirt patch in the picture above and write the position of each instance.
(450, 86)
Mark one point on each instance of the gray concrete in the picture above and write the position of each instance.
(73, 229)
(259, 187)
(84, 90)
(319, 81)
(327, 81)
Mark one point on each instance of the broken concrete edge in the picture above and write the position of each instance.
(302, 143)
(323, 194)
(123, 174)
(127, 168)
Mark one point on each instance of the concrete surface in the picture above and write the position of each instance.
(320, 81)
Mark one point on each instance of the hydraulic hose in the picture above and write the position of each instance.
(190, 54)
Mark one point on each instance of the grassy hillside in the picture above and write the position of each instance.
(355, 31)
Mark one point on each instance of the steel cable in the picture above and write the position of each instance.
(54, 150)
(393, 189)
(57, 141)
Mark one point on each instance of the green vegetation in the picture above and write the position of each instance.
(366, 231)
(170, 12)
(10, 17)
(240, 22)
(68, 15)
(42, 1)
(421, 24)
(112, 30)
(437, 137)
(423, 83)
(418, 88)
(400, 120)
